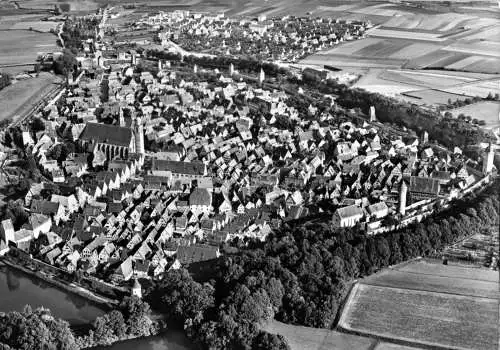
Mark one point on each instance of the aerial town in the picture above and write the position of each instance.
(144, 163)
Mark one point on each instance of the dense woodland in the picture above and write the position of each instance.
(39, 329)
(301, 274)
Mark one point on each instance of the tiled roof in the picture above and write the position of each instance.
(106, 133)
(424, 185)
(350, 211)
(189, 168)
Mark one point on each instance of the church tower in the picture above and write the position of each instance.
(195, 69)
(403, 191)
(231, 70)
(139, 136)
(489, 156)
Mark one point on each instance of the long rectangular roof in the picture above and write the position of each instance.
(107, 133)
(188, 168)
(424, 185)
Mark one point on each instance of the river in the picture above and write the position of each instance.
(18, 289)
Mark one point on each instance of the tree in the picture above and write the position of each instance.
(137, 314)
(66, 64)
(265, 341)
(35, 329)
(180, 298)
(109, 327)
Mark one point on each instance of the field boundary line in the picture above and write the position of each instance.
(462, 296)
(438, 275)
(346, 306)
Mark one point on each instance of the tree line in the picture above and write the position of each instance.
(301, 275)
(39, 329)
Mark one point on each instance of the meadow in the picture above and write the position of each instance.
(432, 283)
(23, 46)
(21, 96)
(485, 110)
(431, 267)
(300, 338)
(433, 319)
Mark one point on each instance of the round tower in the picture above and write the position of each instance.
(262, 76)
(137, 289)
(403, 190)
(139, 136)
(488, 158)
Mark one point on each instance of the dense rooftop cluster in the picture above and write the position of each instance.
(279, 38)
(168, 168)
(141, 170)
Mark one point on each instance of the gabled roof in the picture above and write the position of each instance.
(200, 196)
(424, 185)
(44, 207)
(377, 207)
(189, 168)
(349, 211)
(107, 133)
(196, 253)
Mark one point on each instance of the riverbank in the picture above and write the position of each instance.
(107, 303)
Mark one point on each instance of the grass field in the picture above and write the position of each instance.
(383, 48)
(389, 346)
(479, 88)
(435, 319)
(485, 110)
(430, 267)
(433, 283)
(433, 97)
(20, 97)
(423, 78)
(302, 338)
(22, 46)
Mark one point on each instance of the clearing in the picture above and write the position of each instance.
(435, 319)
(23, 46)
(20, 97)
(300, 338)
(489, 111)
(425, 302)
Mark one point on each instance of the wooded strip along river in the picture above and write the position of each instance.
(18, 289)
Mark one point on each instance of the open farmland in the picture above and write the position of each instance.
(424, 302)
(430, 267)
(435, 319)
(21, 96)
(22, 46)
(478, 88)
(432, 96)
(300, 338)
(484, 110)
(433, 283)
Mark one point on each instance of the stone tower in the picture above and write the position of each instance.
(139, 136)
(160, 67)
(425, 137)
(195, 69)
(489, 156)
(231, 69)
(403, 191)
(262, 76)
(373, 117)
(121, 117)
(137, 289)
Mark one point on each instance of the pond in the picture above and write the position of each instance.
(18, 289)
